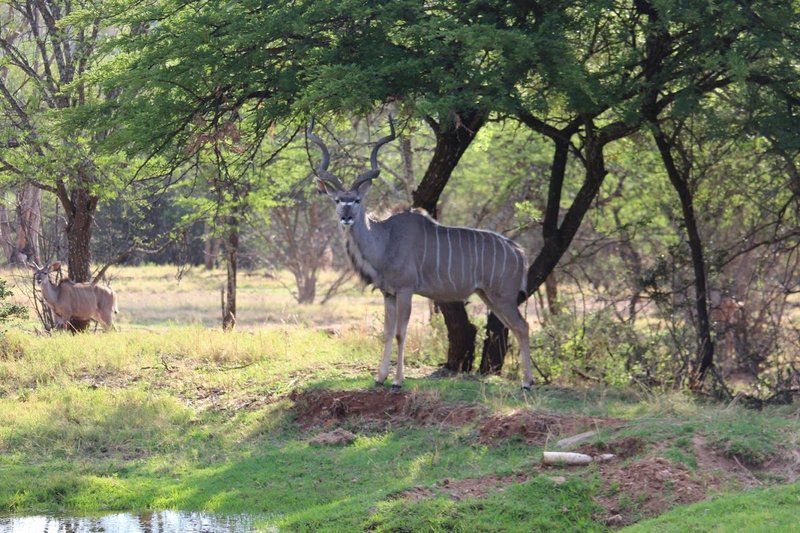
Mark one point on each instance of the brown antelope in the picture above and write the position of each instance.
(75, 301)
(410, 253)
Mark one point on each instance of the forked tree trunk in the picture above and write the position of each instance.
(705, 346)
(452, 140)
(231, 259)
(557, 237)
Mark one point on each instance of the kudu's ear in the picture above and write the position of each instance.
(326, 187)
(55, 266)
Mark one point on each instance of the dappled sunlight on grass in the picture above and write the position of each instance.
(190, 417)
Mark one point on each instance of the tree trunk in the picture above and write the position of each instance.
(306, 288)
(551, 288)
(557, 238)
(29, 222)
(231, 258)
(5, 235)
(452, 140)
(407, 153)
(80, 219)
(210, 248)
(495, 346)
(705, 348)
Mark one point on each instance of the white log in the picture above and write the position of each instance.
(572, 458)
(566, 458)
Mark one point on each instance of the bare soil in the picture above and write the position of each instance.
(622, 449)
(535, 428)
(337, 437)
(326, 407)
(647, 488)
(783, 466)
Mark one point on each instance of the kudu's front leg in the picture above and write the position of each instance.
(403, 315)
(389, 328)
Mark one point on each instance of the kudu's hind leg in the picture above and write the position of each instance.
(389, 328)
(403, 316)
(509, 315)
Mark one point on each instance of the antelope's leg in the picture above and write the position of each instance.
(105, 321)
(403, 315)
(389, 327)
(508, 313)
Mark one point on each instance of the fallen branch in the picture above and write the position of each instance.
(575, 439)
(572, 458)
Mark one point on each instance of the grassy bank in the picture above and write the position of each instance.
(190, 418)
(171, 413)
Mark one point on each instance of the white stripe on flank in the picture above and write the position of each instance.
(462, 255)
(424, 252)
(494, 260)
(503, 246)
(474, 259)
(449, 258)
(482, 256)
(438, 273)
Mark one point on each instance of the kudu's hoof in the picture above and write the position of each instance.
(396, 387)
(527, 388)
(378, 384)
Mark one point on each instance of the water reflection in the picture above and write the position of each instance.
(156, 522)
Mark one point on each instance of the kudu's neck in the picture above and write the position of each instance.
(367, 235)
(49, 291)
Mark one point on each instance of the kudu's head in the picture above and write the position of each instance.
(40, 274)
(349, 202)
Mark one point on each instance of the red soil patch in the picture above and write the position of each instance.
(647, 488)
(325, 407)
(535, 428)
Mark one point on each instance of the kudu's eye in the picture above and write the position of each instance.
(357, 201)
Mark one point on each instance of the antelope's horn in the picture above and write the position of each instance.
(322, 168)
(373, 158)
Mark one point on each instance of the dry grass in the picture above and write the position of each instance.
(155, 297)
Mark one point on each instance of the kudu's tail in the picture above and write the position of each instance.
(114, 300)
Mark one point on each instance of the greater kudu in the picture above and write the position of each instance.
(75, 301)
(410, 253)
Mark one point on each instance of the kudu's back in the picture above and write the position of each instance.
(448, 263)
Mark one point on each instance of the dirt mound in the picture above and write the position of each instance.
(323, 406)
(646, 488)
(783, 465)
(459, 489)
(622, 449)
(534, 428)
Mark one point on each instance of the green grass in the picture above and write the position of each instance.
(772, 509)
(188, 417)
